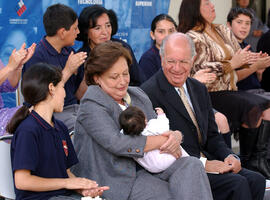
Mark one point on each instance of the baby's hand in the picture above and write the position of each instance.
(159, 111)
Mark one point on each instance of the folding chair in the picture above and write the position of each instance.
(6, 177)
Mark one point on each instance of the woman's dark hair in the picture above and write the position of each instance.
(235, 12)
(102, 58)
(35, 88)
(190, 16)
(114, 21)
(88, 19)
(58, 16)
(132, 121)
(160, 18)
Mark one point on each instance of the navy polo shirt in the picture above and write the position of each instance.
(44, 150)
(47, 54)
(150, 62)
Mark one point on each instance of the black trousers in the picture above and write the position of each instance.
(246, 185)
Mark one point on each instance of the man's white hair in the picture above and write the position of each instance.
(190, 42)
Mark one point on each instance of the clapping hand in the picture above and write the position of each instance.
(18, 58)
(30, 51)
(74, 61)
(205, 76)
(240, 58)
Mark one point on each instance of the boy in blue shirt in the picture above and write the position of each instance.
(253, 147)
(61, 26)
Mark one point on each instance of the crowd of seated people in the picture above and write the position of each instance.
(192, 70)
(220, 51)
(239, 20)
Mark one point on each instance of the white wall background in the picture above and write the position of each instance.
(222, 8)
(267, 7)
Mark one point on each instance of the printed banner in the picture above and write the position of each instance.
(21, 21)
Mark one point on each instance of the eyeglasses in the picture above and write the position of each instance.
(173, 62)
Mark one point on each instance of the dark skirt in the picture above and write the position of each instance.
(260, 92)
(240, 107)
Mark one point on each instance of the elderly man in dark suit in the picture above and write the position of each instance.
(187, 104)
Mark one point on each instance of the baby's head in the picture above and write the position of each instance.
(132, 121)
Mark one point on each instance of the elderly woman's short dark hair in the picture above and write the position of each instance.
(102, 58)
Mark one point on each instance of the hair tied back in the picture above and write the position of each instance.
(28, 105)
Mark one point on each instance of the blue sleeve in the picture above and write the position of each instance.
(79, 76)
(72, 157)
(136, 75)
(35, 59)
(148, 65)
(80, 72)
(24, 150)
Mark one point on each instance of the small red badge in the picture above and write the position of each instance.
(65, 147)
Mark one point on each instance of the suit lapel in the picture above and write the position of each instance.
(171, 95)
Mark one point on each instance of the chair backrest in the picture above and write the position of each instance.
(6, 177)
(19, 96)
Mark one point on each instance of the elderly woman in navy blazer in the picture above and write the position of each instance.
(106, 155)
